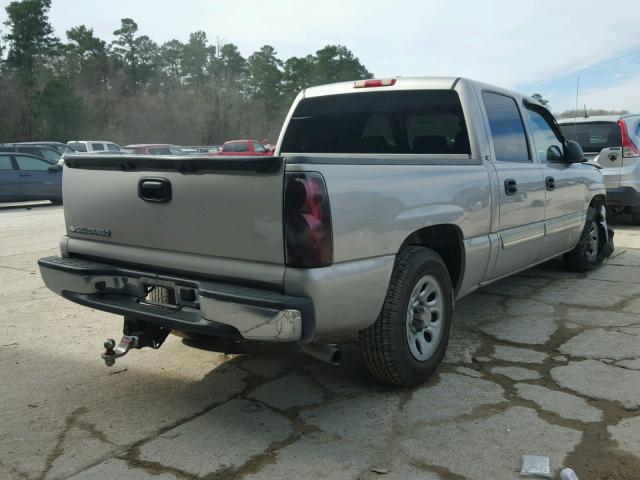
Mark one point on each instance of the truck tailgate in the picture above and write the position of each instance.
(227, 208)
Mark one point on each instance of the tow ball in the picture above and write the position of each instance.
(137, 334)
(111, 352)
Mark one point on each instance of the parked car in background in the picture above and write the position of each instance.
(387, 201)
(191, 149)
(92, 146)
(268, 145)
(62, 148)
(244, 148)
(612, 142)
(42, 151)
(25, 177)
(153, 149)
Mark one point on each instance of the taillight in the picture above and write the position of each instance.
(629, 149)
(307, 221)
(385, 82)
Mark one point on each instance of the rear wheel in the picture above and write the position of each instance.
(591, 250)
(409, 339)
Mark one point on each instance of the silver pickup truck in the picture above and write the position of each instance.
(385, 202)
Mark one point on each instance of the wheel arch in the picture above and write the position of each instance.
(447, 241)
(597, 201)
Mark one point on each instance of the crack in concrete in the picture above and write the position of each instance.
(73, 420)
(595, 435)
(443, 472)
(17, 269)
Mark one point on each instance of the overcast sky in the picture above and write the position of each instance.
(533, 46)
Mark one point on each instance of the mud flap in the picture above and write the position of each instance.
(606, 231)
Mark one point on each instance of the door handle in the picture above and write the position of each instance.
(155, 190)
(510, 186)
(551, 183)
(25, 174)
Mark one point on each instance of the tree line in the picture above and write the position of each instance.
(572, 113)
(133, 89)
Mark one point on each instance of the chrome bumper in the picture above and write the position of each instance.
(210, 307)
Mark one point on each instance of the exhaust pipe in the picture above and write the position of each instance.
(326, 353)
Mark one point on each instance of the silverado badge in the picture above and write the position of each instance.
(101, 232)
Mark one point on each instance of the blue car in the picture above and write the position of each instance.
(25, 177)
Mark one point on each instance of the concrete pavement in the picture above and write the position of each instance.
(547, 363)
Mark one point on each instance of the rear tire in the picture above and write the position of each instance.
(409, 339)
(635, 215)
(591, 249)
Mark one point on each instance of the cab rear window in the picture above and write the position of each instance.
(400, 122)
(236, 147)
(593, 137)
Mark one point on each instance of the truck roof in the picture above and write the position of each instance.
(407, 83)
(402, 83)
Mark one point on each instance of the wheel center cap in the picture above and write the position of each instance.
(420, 315)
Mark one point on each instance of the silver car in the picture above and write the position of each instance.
(613, 142)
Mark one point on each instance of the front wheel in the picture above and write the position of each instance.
(635, 215)
(409, 339)
(592, 247)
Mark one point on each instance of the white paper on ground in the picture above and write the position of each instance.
(535, 466)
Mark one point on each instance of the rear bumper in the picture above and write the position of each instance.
(212, 308)
(623, 197)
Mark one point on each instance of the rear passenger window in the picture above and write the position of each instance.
(78, 146)
(31, 163)
(5, 162)
(97, 146)
(399, 122)
(507, 130)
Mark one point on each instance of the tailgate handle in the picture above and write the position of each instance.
(156, 190)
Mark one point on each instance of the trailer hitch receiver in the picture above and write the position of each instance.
(137, 334)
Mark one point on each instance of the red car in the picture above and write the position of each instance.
(153, 149)
(244, 148)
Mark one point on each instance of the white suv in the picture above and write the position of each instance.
(94, 146)
(613, 142)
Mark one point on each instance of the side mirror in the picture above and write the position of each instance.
(55, 168)
(573, 152)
